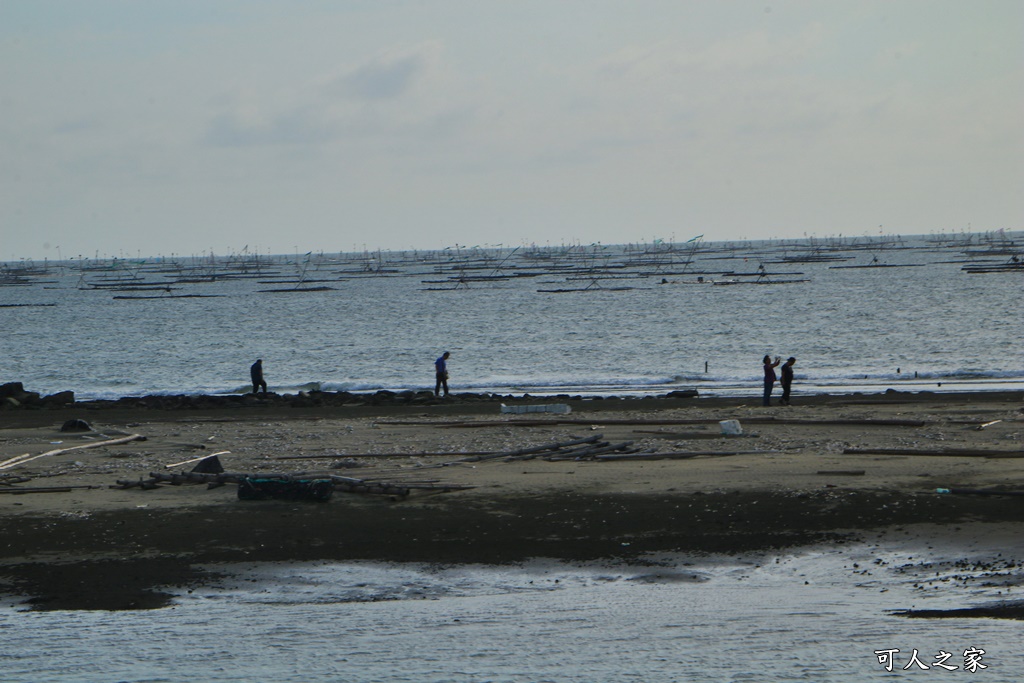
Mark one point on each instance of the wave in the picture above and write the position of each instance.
(587, 385)
(954, 375)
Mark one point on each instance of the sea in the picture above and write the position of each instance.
(939, 313)
(822, 615)
(922, 313)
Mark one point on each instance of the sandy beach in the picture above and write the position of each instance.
(823, 470)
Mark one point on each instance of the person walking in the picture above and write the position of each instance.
(769, 377)
(786, 380)
(256, 372)
(441, 374)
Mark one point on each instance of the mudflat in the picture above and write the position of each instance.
(459, 481)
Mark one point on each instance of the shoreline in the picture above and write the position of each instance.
(788, 482)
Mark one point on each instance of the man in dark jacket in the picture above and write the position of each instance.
(786, 380)
(441, 374)
(256, 371)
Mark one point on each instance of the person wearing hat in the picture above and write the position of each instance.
(786, 380)
(441, 372)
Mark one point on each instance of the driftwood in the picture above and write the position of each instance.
(842, 473)
(22, 459)
(593, 452)
(565, 451)
(955, 452)
(534, 450)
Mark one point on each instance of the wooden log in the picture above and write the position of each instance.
(841, 473)
(20, 460)
(949, 452)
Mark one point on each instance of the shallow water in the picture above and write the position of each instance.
(811, 615)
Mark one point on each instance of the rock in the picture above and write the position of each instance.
(11, 389)
(61, 398)
(76, 426)
(15, 391)
(685, 393)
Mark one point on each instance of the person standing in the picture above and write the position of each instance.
(256, 372)
(441, 373)
(786, 380)
(769, 377)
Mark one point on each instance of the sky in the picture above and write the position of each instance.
(188, 127)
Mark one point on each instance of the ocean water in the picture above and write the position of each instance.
(638, 323)
(817, 614)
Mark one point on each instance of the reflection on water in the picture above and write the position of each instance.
(817, 615)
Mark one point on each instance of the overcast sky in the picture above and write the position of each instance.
(141, 128)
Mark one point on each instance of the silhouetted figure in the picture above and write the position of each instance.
(786, 380)
(769, 377)
(441, 373)
(256, 372)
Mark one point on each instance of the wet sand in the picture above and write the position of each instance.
(80, 541)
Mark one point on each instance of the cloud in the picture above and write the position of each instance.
(388, 76)
(386, 95)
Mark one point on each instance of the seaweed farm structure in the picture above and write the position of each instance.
(561, 269)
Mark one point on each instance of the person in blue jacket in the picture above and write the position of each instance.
(441, 373)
